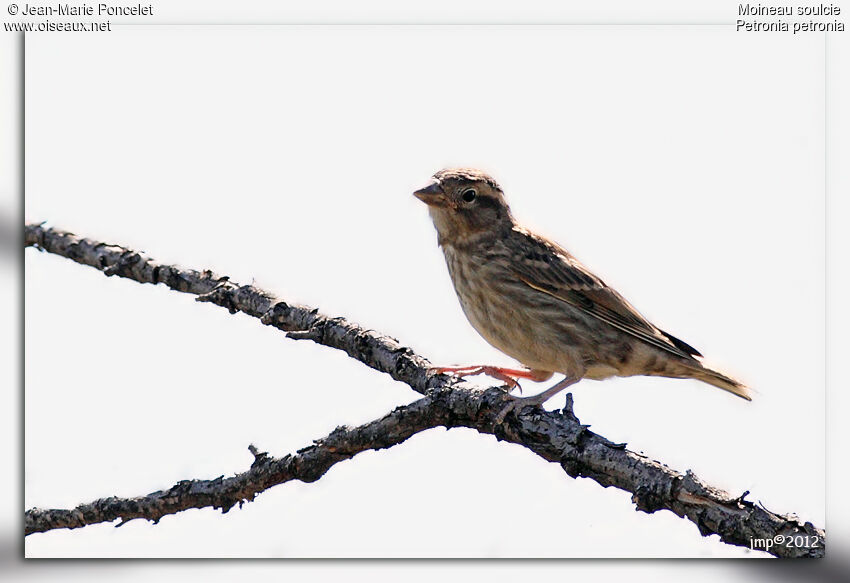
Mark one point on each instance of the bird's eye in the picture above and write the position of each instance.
(469, 195)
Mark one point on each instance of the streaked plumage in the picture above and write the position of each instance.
(531, 299)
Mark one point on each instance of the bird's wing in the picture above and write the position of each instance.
(546, 267)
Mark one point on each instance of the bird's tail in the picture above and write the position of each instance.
(712, 377)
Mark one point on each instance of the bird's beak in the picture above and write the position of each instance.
(432, 195)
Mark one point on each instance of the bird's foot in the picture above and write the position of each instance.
(515, 404)
(507, 375)
(519, 403)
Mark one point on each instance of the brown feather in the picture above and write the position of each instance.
(550, 269)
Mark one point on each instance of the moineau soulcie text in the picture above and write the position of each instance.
(87, 10)
(761, 10)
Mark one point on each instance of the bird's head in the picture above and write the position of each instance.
(464, 202)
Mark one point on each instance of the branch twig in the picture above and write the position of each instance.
(556, 436)
(308, 465)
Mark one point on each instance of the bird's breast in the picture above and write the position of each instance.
(500, 308)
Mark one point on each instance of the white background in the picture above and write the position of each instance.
(287, 155)
(662, 157)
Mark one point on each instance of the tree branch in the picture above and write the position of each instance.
(308, 465)
(556, 436)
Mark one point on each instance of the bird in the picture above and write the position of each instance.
(534, 301)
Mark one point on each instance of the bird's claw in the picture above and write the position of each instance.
(506, 375)
(512, 404)
(517, 404)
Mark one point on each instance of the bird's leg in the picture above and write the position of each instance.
(518, 403)
(507, 375)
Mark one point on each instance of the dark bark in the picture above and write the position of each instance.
(308, 465)
(556, 436)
